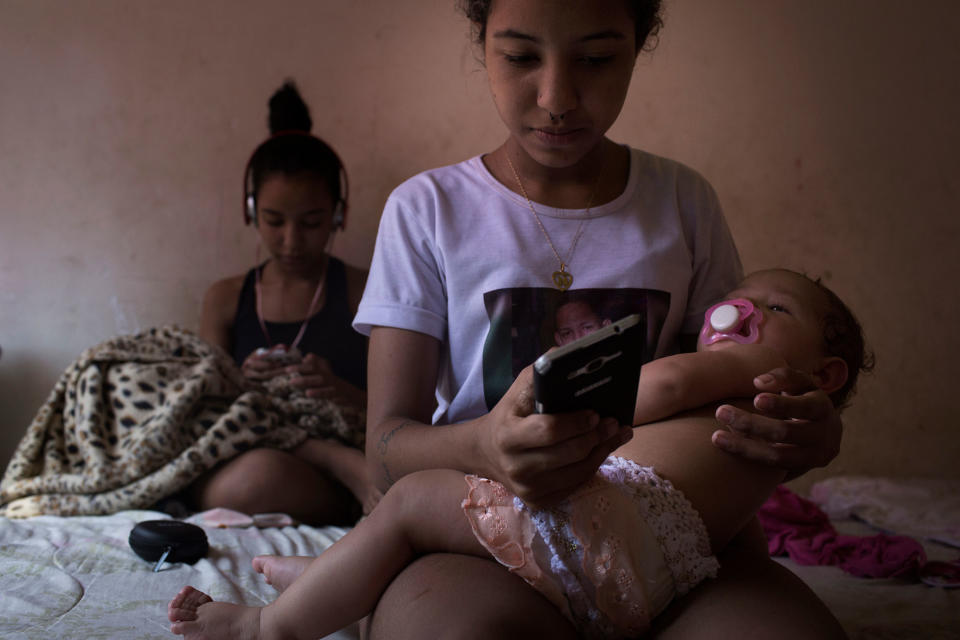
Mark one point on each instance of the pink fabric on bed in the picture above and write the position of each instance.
(797, 527)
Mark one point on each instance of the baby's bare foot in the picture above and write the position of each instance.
(281, 571)
(194, 614)
(184, 605)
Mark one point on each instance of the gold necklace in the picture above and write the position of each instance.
(562, 279)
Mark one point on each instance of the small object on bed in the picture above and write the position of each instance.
(168, 541)
(941, 574)
(222, 518)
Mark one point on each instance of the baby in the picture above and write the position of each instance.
(612, 555)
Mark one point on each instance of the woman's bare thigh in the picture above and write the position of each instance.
(752, 597)
(462, 597)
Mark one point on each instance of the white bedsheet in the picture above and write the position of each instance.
(78, 578)
(885, 608)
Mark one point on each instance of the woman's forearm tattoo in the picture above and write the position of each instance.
(382, 449)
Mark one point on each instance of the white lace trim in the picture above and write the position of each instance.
(678, 527)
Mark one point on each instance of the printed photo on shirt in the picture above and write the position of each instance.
(526, 322)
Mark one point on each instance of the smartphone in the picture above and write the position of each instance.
(599, 371)
(279, 354)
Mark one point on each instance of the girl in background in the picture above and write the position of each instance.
(291, 315)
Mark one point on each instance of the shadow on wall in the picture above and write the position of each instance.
(25, 383)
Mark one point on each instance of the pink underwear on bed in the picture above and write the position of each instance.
(610, 557)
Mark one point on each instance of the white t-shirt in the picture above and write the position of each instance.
(461, 258)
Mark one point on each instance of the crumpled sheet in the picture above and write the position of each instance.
(925, 508)
(798, 528)
(77, 577)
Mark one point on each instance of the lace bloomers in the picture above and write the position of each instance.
(610, 557)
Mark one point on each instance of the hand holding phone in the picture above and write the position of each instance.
(599, 371)
(280, 355)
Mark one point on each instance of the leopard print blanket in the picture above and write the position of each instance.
(138, 418)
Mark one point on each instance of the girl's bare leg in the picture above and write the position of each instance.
(346, 464)
(270, 480)
(421, 513)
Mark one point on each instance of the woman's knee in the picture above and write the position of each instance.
(424, 494)
(254, 480)
(752, 593)
(266, 480)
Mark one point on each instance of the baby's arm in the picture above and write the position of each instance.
(686, 381)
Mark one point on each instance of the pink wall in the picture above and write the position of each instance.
(829, 130)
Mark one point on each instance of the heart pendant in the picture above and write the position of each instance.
(562, 279)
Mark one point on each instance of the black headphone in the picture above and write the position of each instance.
(249, 189)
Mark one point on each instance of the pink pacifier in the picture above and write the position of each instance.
(736, 320)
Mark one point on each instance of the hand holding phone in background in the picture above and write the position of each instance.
(263, 364)
(280, 354)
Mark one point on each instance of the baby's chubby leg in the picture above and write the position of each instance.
(426, 508)
(193, 614)
(420, 514)
(281, 571)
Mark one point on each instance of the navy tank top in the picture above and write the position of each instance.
(329, 333)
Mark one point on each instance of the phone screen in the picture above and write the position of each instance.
(599, 371)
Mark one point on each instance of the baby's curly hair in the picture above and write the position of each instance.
(646, 16)
(842, 337)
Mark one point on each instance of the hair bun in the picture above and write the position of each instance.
(288, 111)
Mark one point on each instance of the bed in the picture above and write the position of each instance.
(131, 423)
(73, 574)
(885, 608)
(76, 577)
(924, 509)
